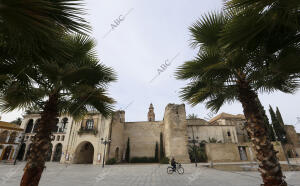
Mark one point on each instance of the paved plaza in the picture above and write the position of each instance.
(135, 175)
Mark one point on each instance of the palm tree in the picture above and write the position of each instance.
(273, 24)
(30, 30)
(192, 116)
(217, 77)
(70, 87)
(26, 26)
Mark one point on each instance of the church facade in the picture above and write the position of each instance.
(81, 142)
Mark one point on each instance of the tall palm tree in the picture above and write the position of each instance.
(217, 77)
(30, 30)
(273, 24)
(26, 26)
(57, 87)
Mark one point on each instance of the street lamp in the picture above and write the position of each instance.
(105, 142)
(20, 140)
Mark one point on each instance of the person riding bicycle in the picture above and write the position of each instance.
(173, 163)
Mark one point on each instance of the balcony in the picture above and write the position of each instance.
(84, 130)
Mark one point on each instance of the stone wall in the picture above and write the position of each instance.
(175, 133)
(117, 146)
(225, 134)
(229, 152)
(143, 137)
(291, 135)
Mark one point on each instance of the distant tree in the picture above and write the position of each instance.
(279, 117)
(156, 152)
(192, 116)
(278, 128)
(17, 121)
(161, 147)
(200, 153)
(210, 140)
(269, 128)
(127, 155)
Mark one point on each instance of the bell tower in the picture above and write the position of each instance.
(151, 115)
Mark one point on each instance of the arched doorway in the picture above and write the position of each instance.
(57, 152)
(6, 153)
(49, 152)
(21, 152)
(28, 151)
(117, 154)
(84, 153)
(29, 126)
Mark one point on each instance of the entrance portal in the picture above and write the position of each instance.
(84, 153)
(7, 152)
(243, 154)
(57, 152)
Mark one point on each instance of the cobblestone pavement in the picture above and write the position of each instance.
(135, 175)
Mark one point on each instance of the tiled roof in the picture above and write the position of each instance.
(11, 126)
(224, 115)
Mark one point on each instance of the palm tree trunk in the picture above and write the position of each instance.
(40, 146)
(269, 166)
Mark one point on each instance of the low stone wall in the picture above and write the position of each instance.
(229, 152)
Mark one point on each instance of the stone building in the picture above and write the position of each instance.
(292, 147)
(81, 141)
(9, 136)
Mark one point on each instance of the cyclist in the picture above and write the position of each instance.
(173, 163)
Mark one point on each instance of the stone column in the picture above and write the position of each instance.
(175, 133)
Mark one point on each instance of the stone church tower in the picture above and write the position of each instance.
(151, 115)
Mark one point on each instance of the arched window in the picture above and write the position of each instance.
(62, 138)
(57, 138)
(3, 136)
(29, 126)
(12, 137)
(90, 124)
(64, 123)
(36, 125)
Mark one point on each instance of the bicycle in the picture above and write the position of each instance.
(179, 169)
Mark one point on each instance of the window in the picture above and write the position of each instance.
(57, 138)
(29, 126)
(36, 125)
(62, 138)
(228, 133)
(90, 124)
(64, 123)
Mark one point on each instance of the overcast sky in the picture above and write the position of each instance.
(147, 35)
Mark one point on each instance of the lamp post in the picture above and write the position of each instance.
(105, 142)
(20, 140)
